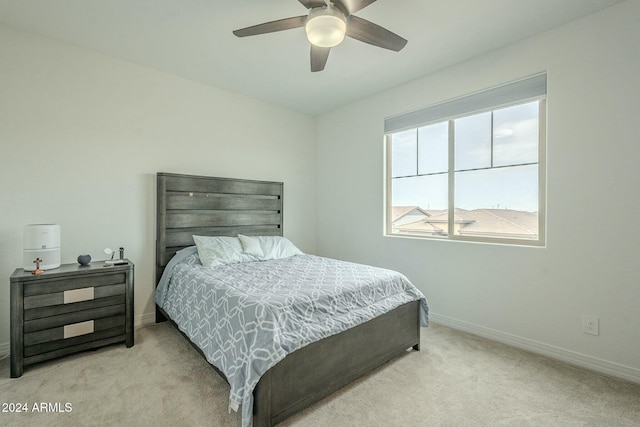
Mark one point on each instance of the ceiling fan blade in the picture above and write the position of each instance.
(319, 56)
(349, 7)
(310, 4)
(341, 6)
(368, 32)
(273, 26)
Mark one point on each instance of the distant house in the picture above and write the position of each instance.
(401, 215)
(413, 220)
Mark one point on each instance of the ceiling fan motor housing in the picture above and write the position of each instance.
(326, 26)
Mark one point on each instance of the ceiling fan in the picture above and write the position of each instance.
(326, 25)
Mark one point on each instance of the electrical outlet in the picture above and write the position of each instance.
(591, 325)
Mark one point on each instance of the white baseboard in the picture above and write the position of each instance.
(568, 356)
(5, 350)
(144, 319)
(582, 360)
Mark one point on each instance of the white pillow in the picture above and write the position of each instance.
(251, 246)
(276, 247)
(219, 250)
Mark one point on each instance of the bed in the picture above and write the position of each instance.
(207, 206)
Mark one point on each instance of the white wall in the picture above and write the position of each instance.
(82, 136)
(531, 297)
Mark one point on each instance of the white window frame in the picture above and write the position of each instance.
(515, 93)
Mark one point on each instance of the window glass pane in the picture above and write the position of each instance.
(433, 151)
(404, 155)
(473, 142)
(419, 205)
(515, 135)
(493, 181)
(499, 203)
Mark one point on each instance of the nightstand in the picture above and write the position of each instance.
(69, 309)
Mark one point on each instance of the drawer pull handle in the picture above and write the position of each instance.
(77, 295)
(77, 329)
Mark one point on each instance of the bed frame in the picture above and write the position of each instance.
(188, 205)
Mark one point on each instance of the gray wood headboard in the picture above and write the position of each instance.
(208, 206)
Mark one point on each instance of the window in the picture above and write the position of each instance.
(471, 168)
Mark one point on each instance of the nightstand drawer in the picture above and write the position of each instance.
(53, 339)
(55, 334)
(41, 287)
(70, 318)
(54, 310)
(58, 298)
(72, 349)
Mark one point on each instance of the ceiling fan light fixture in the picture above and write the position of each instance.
(326, 26)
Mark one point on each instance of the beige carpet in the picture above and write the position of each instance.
(456, 380)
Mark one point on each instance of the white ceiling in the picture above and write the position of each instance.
(193, 39)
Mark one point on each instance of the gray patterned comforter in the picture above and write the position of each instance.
(246, 317)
